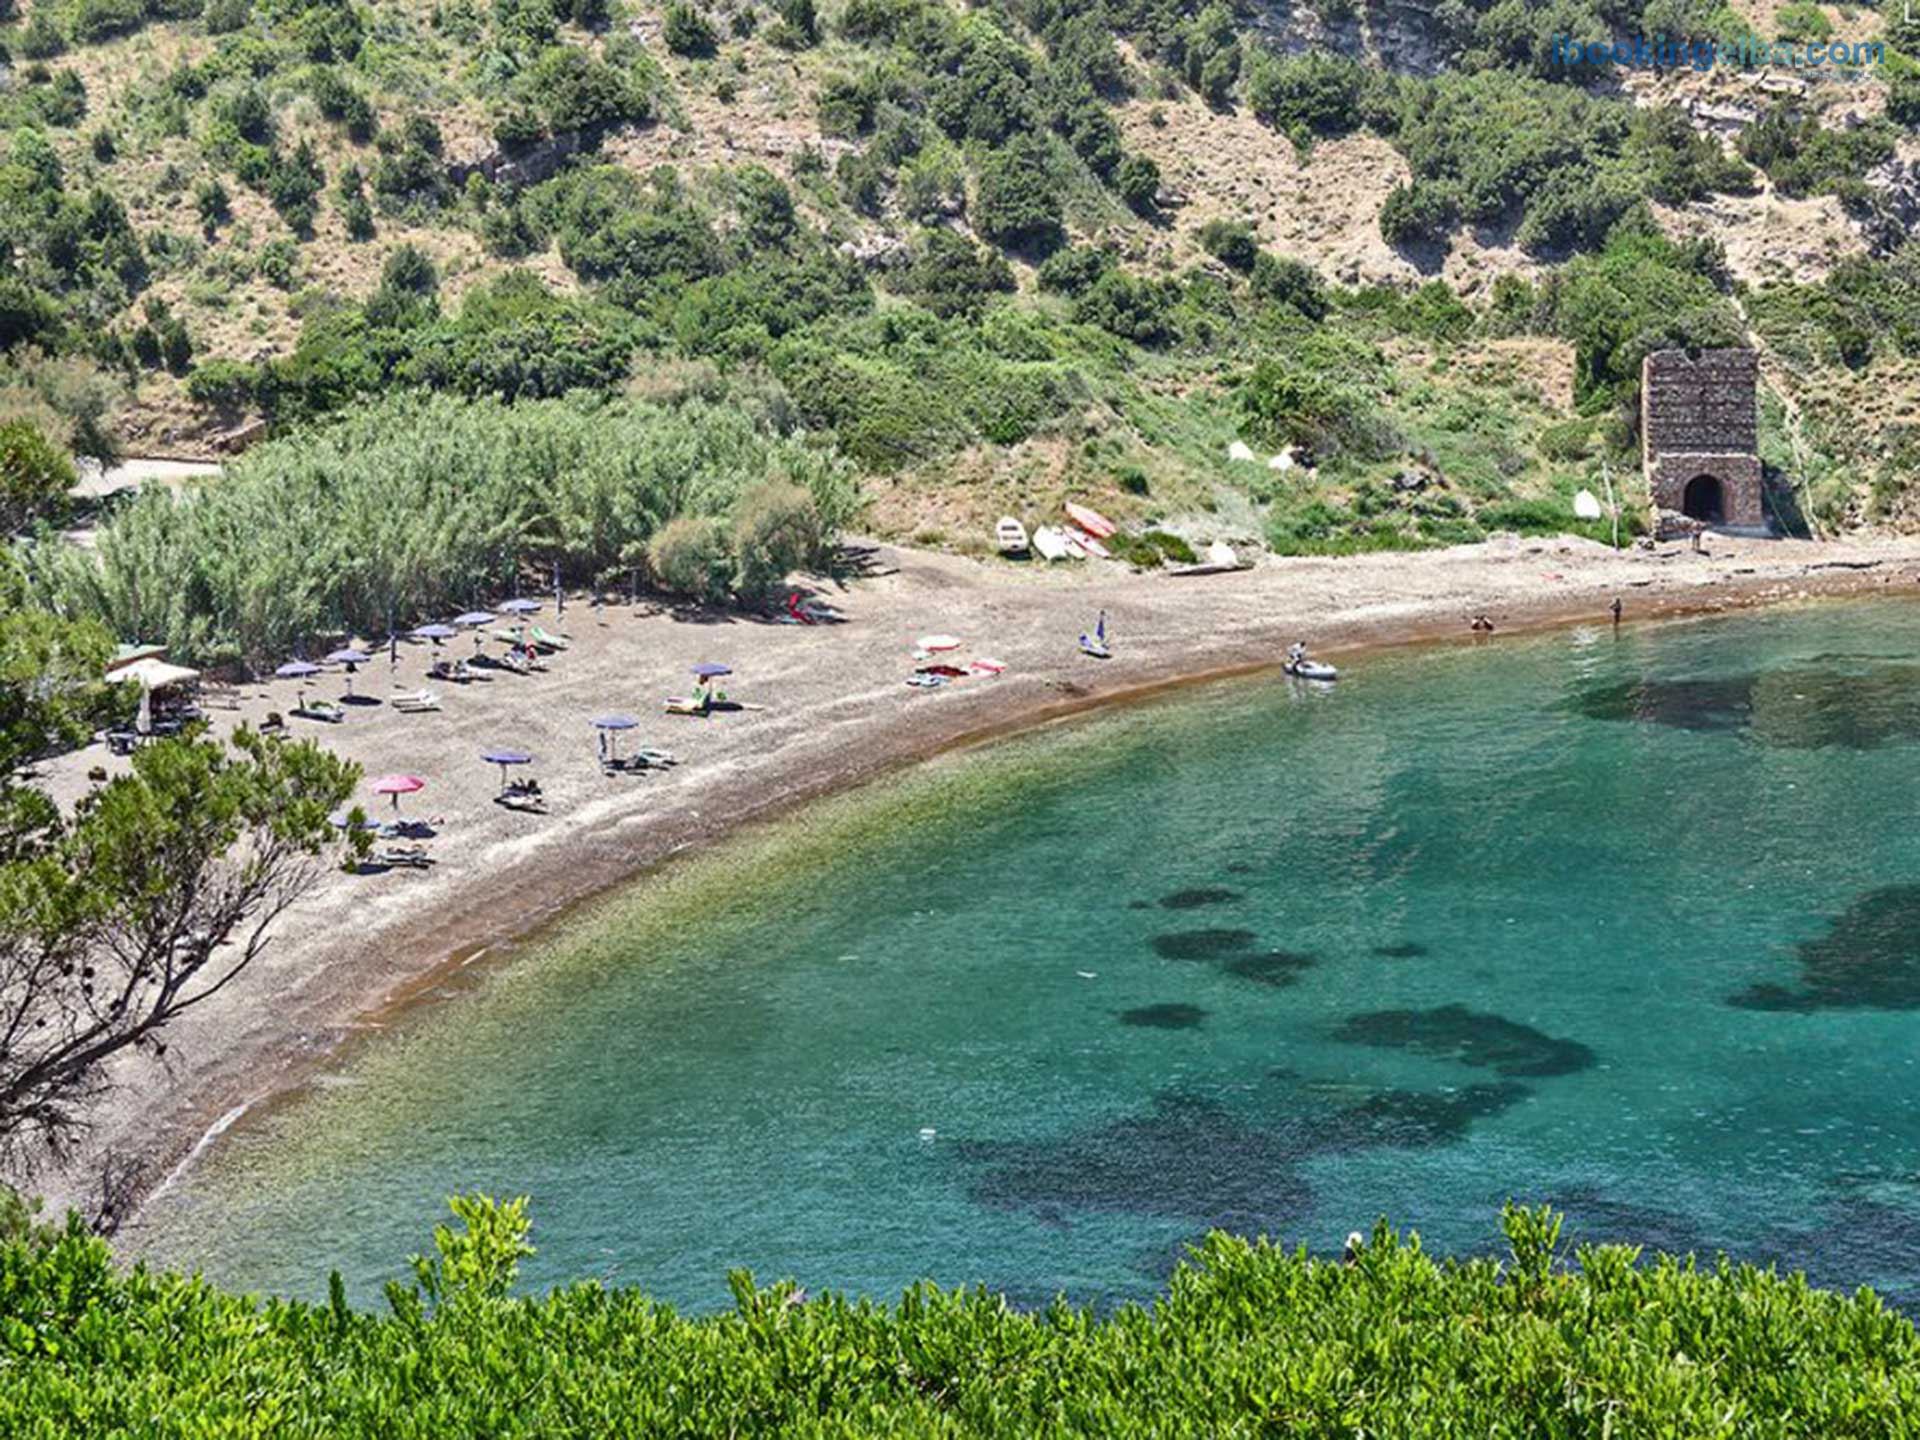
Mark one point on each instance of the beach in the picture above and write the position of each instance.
(826, 708)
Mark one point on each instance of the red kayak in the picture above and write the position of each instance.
(1091, 521)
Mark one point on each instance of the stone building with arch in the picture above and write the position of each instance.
(1699, 439)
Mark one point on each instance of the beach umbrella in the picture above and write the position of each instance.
(473, 620)
(396, 786)
(349, 657)
(933, 644)
(343, 820)
(300, 670)
(504, 759)
(520, 607)
(709, 670)
(435, 633)
(610, 727)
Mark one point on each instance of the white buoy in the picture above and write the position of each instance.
(1239, 450)
(1586, 506)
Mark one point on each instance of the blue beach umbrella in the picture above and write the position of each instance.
(349, 657)
(610, 727)
(473, 618)
(709, 670)
(520, 607)
(435, 633)
(297, 670)
(504, 759)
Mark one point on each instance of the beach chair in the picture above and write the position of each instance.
(415, 702)
(408, 857)
(548, 641)
(324, 710)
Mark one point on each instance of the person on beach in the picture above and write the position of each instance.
(1297, 652)
(1616, 612)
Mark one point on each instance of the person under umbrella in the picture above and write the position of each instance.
(706, 673)
(474, 620)
(609, 728)
(352, 657)
(520, 789)
(302, 671)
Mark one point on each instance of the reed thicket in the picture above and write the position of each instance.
(419, 506)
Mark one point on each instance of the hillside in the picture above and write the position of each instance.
(994, 255)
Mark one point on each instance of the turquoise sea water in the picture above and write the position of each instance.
(1629, 922)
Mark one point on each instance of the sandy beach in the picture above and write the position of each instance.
(828, 709)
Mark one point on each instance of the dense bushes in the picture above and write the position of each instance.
(415, 506)
(1249, 1338)
(35, 476)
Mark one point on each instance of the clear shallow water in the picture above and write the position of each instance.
(1626, 922)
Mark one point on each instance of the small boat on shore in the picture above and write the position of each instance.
(1088, 545)
(1050, 543)
(1311, 670)
(1011, 536)
(1090, 520)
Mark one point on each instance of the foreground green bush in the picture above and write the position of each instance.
(1248, 1340)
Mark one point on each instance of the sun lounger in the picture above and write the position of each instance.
(412, 857)
(414, 702)
(322, 710)
(548, 641)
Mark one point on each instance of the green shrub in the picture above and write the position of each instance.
(1249, 1337)
(35, 476)
(1017, 197)
(225, 384)
(1137, 182)
(1802, 20)
(223, 17)
(687, 31)
(690, 556)
(1286, 281)
(1074, 270)
(776, 530)
(1314, 93)
(1231, 242)
(951, 275)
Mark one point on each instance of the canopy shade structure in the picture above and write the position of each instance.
(154, 674)
(707, 670)
(297, 670)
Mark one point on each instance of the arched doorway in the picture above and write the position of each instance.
(1703, 499)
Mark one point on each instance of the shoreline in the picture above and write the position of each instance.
(337, 974)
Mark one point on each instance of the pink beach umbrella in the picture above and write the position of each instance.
(396, 786)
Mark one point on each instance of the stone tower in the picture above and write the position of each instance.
(1699, 438)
